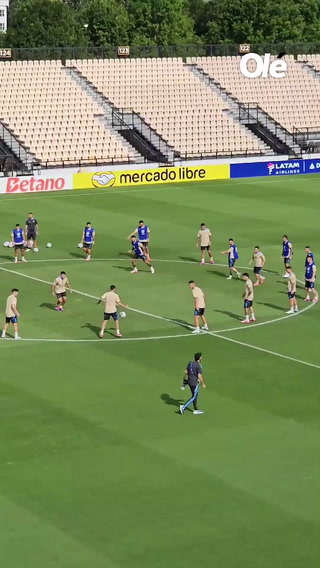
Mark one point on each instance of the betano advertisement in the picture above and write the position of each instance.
(148, 177)
(36, 184)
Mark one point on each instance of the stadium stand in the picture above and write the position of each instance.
(179, 106)
(56, 113)
(292, 101)
(54, 117)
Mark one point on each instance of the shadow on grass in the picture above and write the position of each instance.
(189, 259)
(167, 399)
(217, 273)
(6, 257)
(183, 323)
(273, 306)
(47, 305)
(229, 314)
(125, 268)
(94, 328)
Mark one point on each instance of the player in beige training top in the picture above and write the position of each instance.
(204, 241)
(248, 299)
(199, 307)
(12, 313)
(59, 288)
(111, 301)
(259, 260)
(292, 288)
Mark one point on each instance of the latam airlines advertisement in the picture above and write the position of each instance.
(274, 168)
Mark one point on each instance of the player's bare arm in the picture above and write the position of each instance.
(68, 286)
(200, 377)
(15, 311)
(132, 233)
(226, 251)
(122, 305)
(53, 287)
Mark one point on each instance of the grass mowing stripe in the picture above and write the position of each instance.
(263, 350)
(213, 334)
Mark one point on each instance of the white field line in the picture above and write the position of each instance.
(261, 349)
(94, 192)
(268, 322)
(104, 340)
(212, 334)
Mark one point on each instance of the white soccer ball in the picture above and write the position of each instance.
(35, 249)
(6, 244)
(80, 246)
(10, 245)
(49, 245)
(123, 314)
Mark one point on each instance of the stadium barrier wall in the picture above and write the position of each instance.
(37, 183)
(182, 174)
(275, 168)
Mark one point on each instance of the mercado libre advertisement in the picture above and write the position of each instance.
(182, 174)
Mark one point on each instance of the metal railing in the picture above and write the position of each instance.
(196, 50)
(307, 138)
(19, 152)
(90, 161)
(254, 112)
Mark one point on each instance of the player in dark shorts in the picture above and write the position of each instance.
(31, 230)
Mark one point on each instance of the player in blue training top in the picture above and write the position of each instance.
(18, 240)
(310, 254)
(233, 256)
(138, 252)
(143, 233)
(88, 239)
(287, 253)
(310, 280)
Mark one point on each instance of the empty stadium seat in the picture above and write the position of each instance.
(293, 101)
(179, 106)
(54, 117)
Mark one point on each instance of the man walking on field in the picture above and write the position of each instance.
(12, 313)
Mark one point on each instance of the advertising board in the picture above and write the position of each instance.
(115, 178)
(36, 184)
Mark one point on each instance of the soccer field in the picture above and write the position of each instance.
(98, 469)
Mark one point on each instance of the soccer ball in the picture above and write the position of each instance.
(35, 249)
(49, 245)
(123, 314)
(80, 246)
(10, 245)
(6, 244)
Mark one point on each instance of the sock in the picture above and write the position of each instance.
(253, 316)
(16, 334)
(3, 334)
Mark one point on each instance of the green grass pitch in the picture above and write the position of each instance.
(97, 468)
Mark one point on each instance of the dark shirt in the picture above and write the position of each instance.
(194, 369)
(31, 224)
